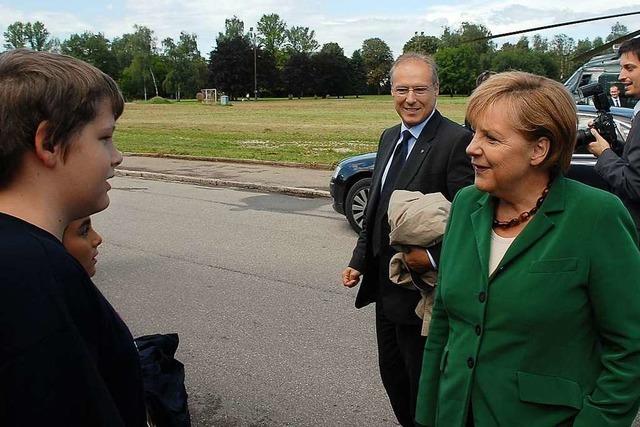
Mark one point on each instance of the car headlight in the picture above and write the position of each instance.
(336, 172)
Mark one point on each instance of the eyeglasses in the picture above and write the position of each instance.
(417, 91)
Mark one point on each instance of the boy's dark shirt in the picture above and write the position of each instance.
(66, 357)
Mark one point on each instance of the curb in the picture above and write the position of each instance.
(227, 160)
(214, 182)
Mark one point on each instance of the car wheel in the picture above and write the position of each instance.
(356, 203)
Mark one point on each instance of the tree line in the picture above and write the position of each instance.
(289, 61)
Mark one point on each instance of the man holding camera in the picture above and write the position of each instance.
(622, 173)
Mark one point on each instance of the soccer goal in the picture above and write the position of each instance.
(210, 96)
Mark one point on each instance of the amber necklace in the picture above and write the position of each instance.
(524, 216)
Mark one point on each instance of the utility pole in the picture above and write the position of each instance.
(255, 65)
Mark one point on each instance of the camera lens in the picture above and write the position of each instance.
(584, 137)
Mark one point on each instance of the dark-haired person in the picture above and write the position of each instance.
(622, 173)
(81, 240)
(66, 358)
(536, 319)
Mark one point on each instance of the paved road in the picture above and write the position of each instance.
(250, 282)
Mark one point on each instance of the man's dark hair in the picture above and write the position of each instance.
(630, 46)
(38, 87)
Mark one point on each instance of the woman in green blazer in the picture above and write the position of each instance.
(537, 314)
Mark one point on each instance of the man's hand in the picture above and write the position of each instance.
(417, 259)
(350, 277)
(599, 145)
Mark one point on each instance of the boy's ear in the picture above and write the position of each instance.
(45, 151)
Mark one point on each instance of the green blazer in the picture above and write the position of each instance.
(552, 338)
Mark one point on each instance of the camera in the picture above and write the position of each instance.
(603, 122)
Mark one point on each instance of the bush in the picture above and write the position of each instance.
(158, 100)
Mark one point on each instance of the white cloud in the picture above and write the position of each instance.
(57, 23)
(9, 15)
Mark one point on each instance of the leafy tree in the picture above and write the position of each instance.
(296, 74)
(137, 56)
(15, 37)
(35, 36)
(542, 63)
(464, 34)
(301, 40)
(142, 75)
(523, 43)
(482, 51)
(39, 37)
(597, 42)
(186, 68)
(562, 47)
(94, 49)
(233, 28)
(456, 67)
(272, 33)
(358, 75)
(231, 66)
(549, 65)
(581, 47)
(377, 59)
(332, 48)
(269, 83)
(617, 30)
(540, 44)
(330, 71)
(427, 45)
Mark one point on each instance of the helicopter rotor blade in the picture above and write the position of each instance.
(545, 27)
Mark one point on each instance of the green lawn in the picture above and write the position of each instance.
(311, 131)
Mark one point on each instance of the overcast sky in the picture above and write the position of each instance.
(347, 22)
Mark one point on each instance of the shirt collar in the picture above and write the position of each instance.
(417, 129)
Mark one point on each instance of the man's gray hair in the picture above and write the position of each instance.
(415, 56)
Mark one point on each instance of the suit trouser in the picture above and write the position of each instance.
(400, 349)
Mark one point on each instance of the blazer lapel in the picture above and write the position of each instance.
(481, 219)
(420, 150)
(539, 226)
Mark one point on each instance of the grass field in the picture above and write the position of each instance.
(310, 131)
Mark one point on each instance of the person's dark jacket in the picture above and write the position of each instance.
(66, 358)
(622, 173)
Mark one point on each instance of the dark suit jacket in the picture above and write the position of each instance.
(624, 101)
(552, 338)
(437, 163)
(623, 173)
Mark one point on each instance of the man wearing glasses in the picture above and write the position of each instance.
(426, 153)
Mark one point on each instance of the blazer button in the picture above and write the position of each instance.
(482, 297)
(478, 330)
(470, 363)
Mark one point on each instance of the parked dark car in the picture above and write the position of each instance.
(351, 179)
